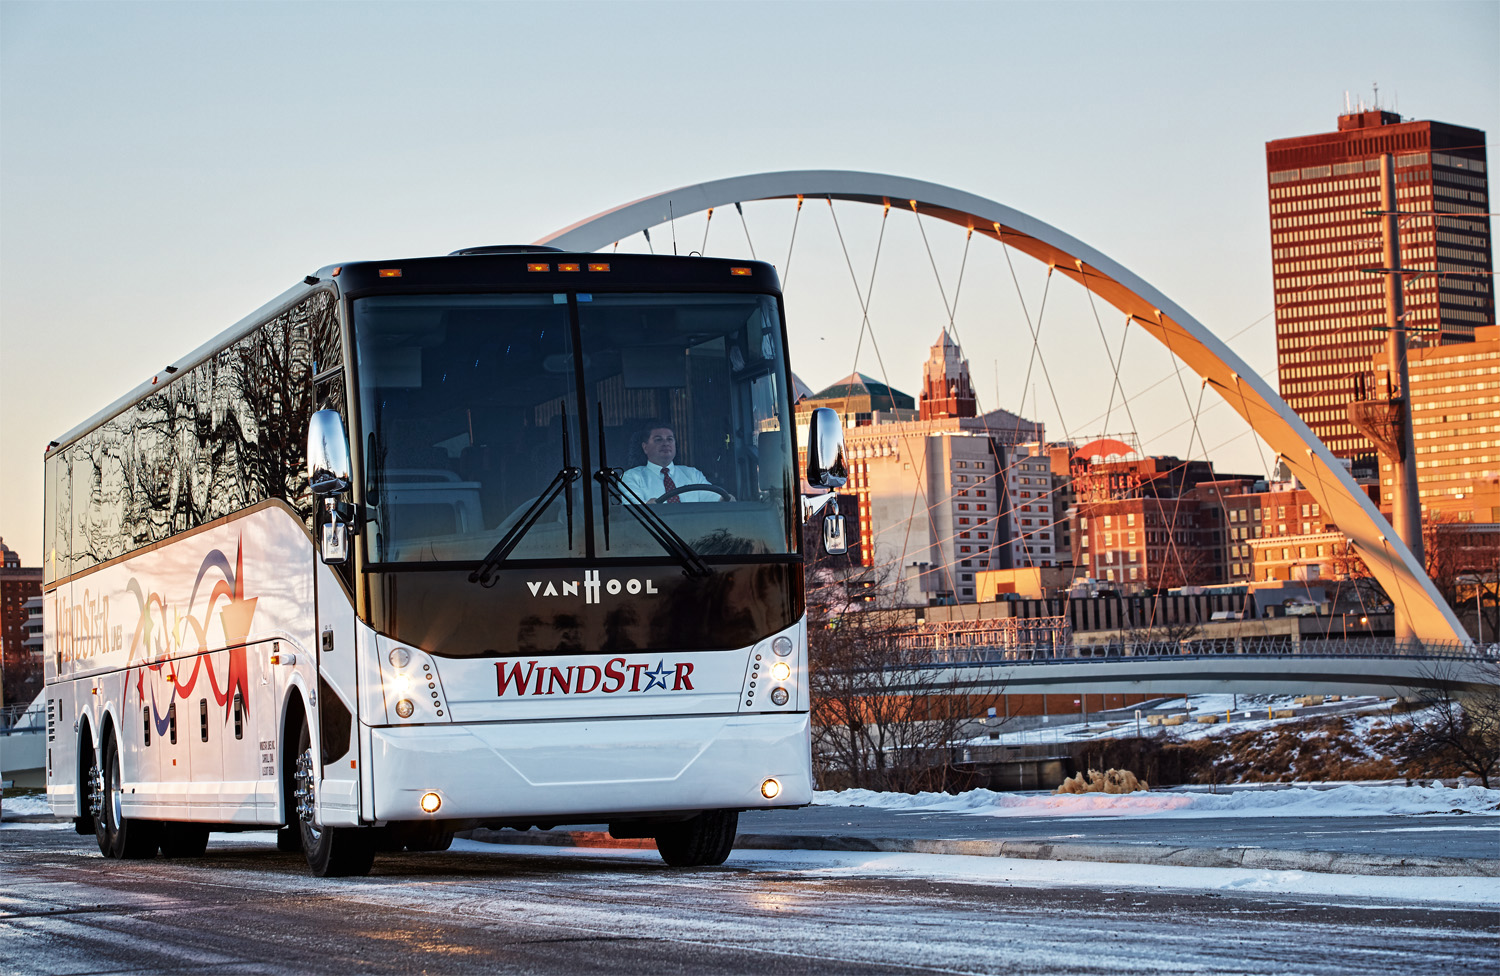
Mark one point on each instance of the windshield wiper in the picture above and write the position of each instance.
(615, 486)
(485, 574)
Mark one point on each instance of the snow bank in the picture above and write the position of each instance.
(1340, 801)
(815, 865)
(29, 805)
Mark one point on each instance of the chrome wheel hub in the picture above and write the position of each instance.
(96, 791)
(304, 793)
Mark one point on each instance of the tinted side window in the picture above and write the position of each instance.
(225, 436)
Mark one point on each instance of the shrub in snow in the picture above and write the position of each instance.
(1110, 781)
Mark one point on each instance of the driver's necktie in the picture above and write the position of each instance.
(667, 484)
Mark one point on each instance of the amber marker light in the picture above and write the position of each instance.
(598, 267)
(567, 267)
(539, 267)
(770, 789)
(431, 802)
(390, 272)
(739, 272)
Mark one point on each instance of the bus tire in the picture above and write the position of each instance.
(184, 839)
(706, 839)
(88, 767)
(119, 837)
(332, 852)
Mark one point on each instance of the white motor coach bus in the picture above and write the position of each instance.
(506, 538)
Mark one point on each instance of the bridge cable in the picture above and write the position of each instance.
(1001, 469)
(1036, 349)
(1195, 434)
(865, 325)
(707, 222)
(786, 270)
(741, 211)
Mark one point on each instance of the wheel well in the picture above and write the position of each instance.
(295, 718)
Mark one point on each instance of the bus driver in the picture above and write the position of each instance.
(659, 475)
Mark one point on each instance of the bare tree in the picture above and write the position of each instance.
(1462, 727)
(881, 718)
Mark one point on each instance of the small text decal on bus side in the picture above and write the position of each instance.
(615, 676)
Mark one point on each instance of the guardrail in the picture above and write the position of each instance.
(22, 718)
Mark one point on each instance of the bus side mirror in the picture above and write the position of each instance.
(825, 450)
(328, 477)
(327, 454)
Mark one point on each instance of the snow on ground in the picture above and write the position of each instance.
(1236, 713)
(829, 865)
(28, 805)
(1338, 801)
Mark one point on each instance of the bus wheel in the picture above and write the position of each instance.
(705, 839)
(119, 837)
(332, 852)
(89, 785)
(183, 839)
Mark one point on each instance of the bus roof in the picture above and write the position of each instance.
(480, 269)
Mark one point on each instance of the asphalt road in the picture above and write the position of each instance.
(1437, 835)
(245, 908)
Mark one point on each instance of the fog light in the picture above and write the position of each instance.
(770, 789)
(404, 708)
(400, 657)
(431, 802)
(782, 646)
(779, 696)
(781, 670)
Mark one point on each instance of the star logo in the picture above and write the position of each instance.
(657, 678)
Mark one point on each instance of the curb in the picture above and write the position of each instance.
(1253, 858)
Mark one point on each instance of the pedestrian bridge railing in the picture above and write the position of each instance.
(973, 652)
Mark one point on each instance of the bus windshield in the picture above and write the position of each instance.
(476, 407)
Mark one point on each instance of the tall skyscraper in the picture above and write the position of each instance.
(1329, 311)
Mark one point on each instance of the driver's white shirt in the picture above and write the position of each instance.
(647, 482)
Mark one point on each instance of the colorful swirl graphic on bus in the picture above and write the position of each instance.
(154, 639)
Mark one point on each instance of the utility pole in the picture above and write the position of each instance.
(1406, 507)
(1387, 420)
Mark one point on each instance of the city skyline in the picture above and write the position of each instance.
(169, 191)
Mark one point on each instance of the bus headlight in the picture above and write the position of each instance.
(404, 708)
(770, 789)
(399, 657)
(431, 802)
(781, 671)
(779, 696)
(782, 646)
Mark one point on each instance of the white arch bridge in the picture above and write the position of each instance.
(1420, 610)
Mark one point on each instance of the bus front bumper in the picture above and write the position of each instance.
(554, 771)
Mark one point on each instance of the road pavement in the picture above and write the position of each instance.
(246, 908)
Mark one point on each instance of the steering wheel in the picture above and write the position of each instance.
(682, 488)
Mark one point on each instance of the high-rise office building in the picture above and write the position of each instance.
(1329, 312)
(1455, 416)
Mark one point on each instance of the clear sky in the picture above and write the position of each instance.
(166, 168)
